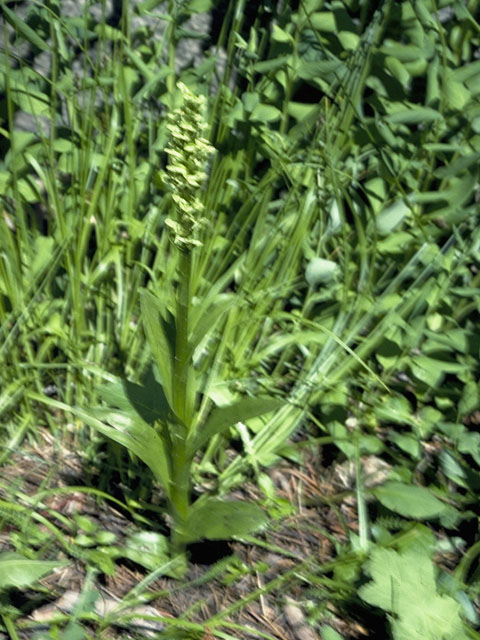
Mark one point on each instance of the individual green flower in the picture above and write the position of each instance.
(188, 153)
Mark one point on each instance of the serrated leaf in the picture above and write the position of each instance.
(404, 584)
(215, 519)
(410, 501)
(18, 571)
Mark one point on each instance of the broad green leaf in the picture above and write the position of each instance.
(470, 399)
(396, 409)
(159, 340)
(221, 418)
(134, 434)
(215, 519)
(31, 100)
(320, 271)
(404, 584)
(146, 400)
(323, 21)
(410, 501)
(432, 371)
(250, 100)
(18, 571)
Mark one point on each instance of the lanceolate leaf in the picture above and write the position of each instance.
(17, 571)
(140, 439)
(158, 340)
(215, 519)
(146, 400)
(221, 418)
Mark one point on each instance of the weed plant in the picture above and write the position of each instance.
(283, 234)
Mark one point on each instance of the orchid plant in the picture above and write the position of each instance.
(170, 418)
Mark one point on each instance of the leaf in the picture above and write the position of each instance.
(414, 115)
(22, 27)
(31, 100)
(146, 400)
(134, 434)
(410, 501)
(18, 571)
(149, 549)
(431, 371)
(203, 323)
(221, 418)
(199, 6)
(215, 519)
(43, 250)
(159, 340)
(320, 271)
(456, 167)
(392, 216)
(265, 113)
(327, 633)
(404, 584)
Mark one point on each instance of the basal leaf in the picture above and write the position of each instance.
(18, 571)
(134, 434)
(221, 418)
(410, 501)
(215, 519)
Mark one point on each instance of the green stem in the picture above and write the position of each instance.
(183, 408)
(182, 384)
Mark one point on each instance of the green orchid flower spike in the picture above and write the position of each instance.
(188, 154)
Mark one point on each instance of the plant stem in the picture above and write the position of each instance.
(183, 406)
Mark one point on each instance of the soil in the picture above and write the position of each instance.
(270, 586)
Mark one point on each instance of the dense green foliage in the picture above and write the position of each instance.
(330, 289)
